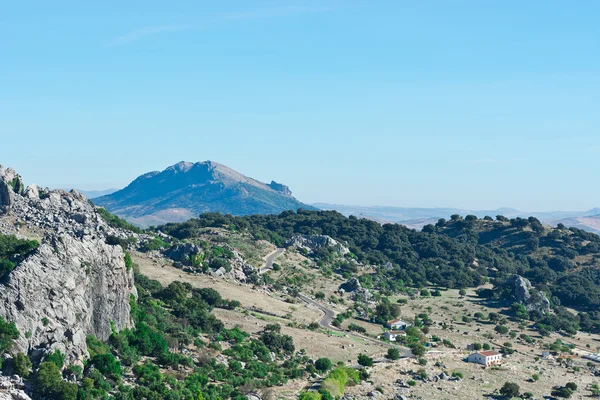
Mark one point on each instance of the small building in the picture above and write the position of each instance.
(471, 347)
(392, 335)
(486, 358)
(398, 325)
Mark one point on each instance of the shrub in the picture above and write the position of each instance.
(535, 377)
(21, 365)
(323, 364)
(107, 364)
(365, 360)
(501, 329)
(393, 354)
(8, 333)
(458, 374)
(57, 358)
(422, 361)
(510, 390)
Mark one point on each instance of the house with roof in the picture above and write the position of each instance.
(392, 335)
(398, 325)
(487, 358)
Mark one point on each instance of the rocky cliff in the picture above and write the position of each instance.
(74, 284)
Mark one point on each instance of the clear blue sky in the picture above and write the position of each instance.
(472, 104)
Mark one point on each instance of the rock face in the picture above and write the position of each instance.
(184, 190)
(523, 292)
(74, 284)
(313, 242)
(11, 388)
(359, 293)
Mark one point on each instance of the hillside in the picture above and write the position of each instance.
(184, 190)
(417, 218)
(459, 253)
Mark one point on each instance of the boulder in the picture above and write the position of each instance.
(182, 252)
(521, 290)
(314, 242)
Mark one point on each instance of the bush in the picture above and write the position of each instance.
(458, 374)
(422, 361)
(535, 377)
(323, 364)
(365, 360)
(393, 354)
(501, 329)
(107, 364)
(510, 390)
(49, 384)
(21, 365)
(57, 358)
(417, 349)
(8, 333)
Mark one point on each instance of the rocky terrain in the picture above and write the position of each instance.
(74, 284)
(184, 190)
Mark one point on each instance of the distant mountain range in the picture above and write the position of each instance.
(419, 217)
(185, 190)
(92, 194)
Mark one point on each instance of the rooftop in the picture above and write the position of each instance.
(489, 353)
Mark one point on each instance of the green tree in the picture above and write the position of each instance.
(393, 354)
(365, 360)
(417, 349)
(562, 392)
(323, 364)
(57, 358)
(21, 365)
(8, 333)
(510, 390)
(501, 329)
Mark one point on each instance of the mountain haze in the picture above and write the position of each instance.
(184, 190)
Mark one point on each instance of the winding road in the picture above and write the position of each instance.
(328, 314)
(270, 259)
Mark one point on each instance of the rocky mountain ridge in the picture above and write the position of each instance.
(184, 190)
(74, 284)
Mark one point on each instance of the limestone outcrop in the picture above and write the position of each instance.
(74, 284)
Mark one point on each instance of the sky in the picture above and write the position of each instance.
(467, 104)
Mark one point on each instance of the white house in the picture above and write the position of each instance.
(392, 335)
(486, 358)
(398, 325)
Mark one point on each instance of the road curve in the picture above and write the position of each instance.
(270, 259)
(329, 316)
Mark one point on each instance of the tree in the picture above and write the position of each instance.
(48, 382)
(320, 296)
(323, 364)
(393, 354)
(462, 292)
(477, 346)
(57, 358)
(501, 329)
(519, 311)
(8, 333)
(562, 392)
(21, 365)
(572, 386)
(510, 390)
(365, 360)
(417, 349)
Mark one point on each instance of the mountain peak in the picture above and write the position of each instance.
(186, 189)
